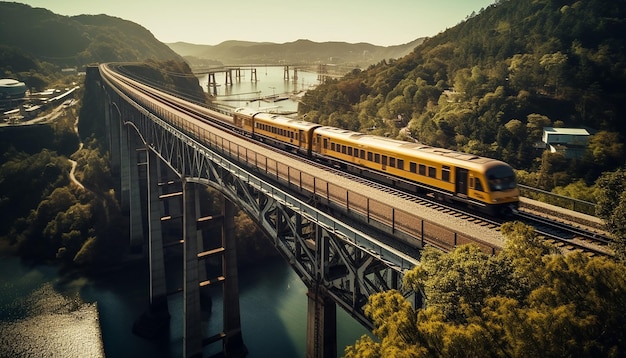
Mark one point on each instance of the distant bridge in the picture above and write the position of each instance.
(235, 71)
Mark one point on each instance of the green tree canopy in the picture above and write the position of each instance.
(527, 301)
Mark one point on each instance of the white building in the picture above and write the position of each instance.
(572, 142)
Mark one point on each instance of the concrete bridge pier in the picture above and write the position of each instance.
(229, 77)
(192, 326)
(112, 120)
(321, 324)
(155, 321)
(286, 73)
(137, 161)
(156, 255)
(195, 277)
(232, 345)
(211, 83)
(321, 320)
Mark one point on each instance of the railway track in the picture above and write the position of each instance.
(565, 236)
(568, 237)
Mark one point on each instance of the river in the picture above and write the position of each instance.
(48, 313)
(270, 83)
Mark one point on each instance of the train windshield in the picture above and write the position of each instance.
(501, 178)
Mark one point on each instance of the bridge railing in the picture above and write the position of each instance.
(577, 205)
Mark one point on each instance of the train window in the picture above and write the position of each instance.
(432, 172)
(384, 160)
(376, 158)
(500, 178)
(362, 154)
(332, 146)
(392, 162)
(356, 152)
(445, 173)
(343, 149)
(325, 143)
(350, 151)
(413, 167)
(422, 169)
(478, 185)
(400, 164)
(369, 156)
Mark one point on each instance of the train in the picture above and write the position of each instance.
(484, 184)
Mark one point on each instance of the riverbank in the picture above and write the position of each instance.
(42, 314)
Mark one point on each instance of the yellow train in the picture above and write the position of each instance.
(484, 183)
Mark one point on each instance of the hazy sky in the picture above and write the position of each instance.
(210, 22)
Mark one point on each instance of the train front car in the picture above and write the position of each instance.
(485, 184)
(501, 193)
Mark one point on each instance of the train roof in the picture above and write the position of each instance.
(284, 121)
(246, 111)
(416, 150)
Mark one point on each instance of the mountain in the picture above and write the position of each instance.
(31, 36)
(300, 51)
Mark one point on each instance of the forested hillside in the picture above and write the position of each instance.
(490, 84)
(35, 43)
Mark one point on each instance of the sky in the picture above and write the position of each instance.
(210, 22)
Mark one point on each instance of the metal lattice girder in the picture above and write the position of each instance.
(323, 250)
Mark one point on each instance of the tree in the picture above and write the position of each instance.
(611, 206)
(554, 65)
(528, 301)
(535, 125)
(523, 73)
(606, 149)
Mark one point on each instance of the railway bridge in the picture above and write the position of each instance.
(344, 244)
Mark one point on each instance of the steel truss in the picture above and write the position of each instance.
(329, 255)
